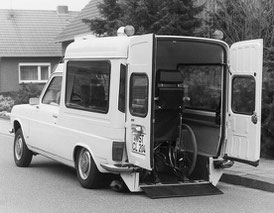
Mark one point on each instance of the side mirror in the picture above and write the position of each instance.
(34, 101)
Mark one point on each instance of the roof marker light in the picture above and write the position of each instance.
(126, 31)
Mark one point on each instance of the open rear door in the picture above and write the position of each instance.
(244, 102)
(139, 92)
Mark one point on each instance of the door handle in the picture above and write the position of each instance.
(55, 116)
(138, 129)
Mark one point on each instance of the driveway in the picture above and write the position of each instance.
(5, 126)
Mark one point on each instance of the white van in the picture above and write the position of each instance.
(165, 113)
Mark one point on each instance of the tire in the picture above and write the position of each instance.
(22, 155)
(189, 164)
(87, 172)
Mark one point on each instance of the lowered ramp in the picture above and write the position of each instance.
(180, 190)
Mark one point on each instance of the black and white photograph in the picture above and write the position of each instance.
(136, 106)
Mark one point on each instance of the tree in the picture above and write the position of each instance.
(111, 12)
(176, 17)
(245, 19)
(252, 19)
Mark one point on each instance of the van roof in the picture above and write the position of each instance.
(58, 68)
(113, 47)
(106, 47)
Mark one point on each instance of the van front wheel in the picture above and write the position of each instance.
(87, 172)
(22, 155)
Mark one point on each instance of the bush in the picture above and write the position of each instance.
(6, 103)
(26, 92)
(267, 130)
(22, 96)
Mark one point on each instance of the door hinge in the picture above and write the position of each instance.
(228, 68)
(222, 164)
(254, 118)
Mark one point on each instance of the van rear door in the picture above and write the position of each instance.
(139, 92)
(244, 102)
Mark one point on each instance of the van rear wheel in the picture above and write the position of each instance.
(87, 172)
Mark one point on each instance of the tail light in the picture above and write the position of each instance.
(117, 150)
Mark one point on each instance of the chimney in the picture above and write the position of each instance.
(62, 9)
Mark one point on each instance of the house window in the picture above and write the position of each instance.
(34, 72)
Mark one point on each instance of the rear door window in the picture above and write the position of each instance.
(243, 95)
(139, 95)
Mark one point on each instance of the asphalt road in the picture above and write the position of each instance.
(47, 186)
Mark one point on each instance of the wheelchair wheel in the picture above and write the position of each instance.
(187, 153)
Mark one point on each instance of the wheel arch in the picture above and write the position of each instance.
(16, 126)
(78, 147)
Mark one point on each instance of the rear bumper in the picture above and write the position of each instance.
(118, 168)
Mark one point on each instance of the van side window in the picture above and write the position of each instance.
(52, 95)
(243, 95)
(87, 85)
(122, 89)
(202, 84)
(138, 104)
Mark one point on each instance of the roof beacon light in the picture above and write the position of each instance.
(126, 31)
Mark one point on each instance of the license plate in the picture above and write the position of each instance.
(138, 145)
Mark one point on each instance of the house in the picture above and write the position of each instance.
(77, 27)
(28, 52)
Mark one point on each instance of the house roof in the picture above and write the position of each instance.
(31, 33)
(76, 26)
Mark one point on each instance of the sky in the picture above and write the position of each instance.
(73, 5)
